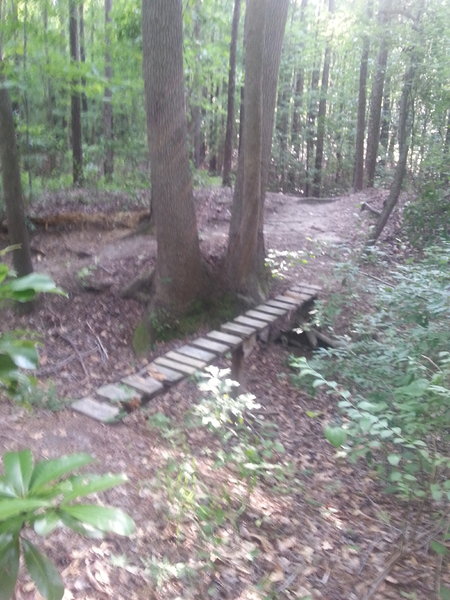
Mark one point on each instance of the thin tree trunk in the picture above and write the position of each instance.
(179, 276)
(75, 100)
(84, 103)
(311, 119)
(108, 163)
(229, 135)
(404, 131)
(373, 134)
(358, 173)
(12, 186)
(317, 180)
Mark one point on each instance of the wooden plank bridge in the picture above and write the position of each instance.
(265, 321)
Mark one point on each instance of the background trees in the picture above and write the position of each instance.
(43, 79)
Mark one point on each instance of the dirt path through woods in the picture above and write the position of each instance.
(323, 532)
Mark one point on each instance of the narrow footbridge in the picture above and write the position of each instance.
(111, 401)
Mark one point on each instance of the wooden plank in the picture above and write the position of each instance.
(278, 304)
(118, 393)
(186, 360)
(225, 338)
(306, 287)
(100, 411)
(163, 374)
(175, 366)
(147, 385)
(243, 320)
(271, 310)
(197, 353)
(211, 345)
(287, 300)
(256, 314)
(242, 330)
(299, 296)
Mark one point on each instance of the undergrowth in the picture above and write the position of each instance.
(391, 379)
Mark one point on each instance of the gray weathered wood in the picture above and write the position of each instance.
(100, 411)
(118, 393)
(147, 385)
(186, 360)
(300, 297)
(260, 316)
(225, 338)
(175, 366)
(242, 330)
(271, 310)
(278, 304)
(287, 300)
(163, 374)
(197, 353)
(248, 322)
(211, 345)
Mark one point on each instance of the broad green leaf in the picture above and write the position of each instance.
(43, 572)
(47, 523)
(9, 565)
(335, 435)
(22, 353)
(18, 470)
(35, 282)
(4, 271)
(79, 527)
(16, 506)
(89, 484)
(104, 518)
(6, 491)
(394, 459)
(48, 470)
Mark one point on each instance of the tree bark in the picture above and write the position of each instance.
(12, 186)
(243, 238)
(358, 173)
(373, 134)
(75, 99)
(311, 119)
(404, 131)
(179, 276)
(246, 239)
(108, 162)
(317, 180)
(229, 135)
(84, 103)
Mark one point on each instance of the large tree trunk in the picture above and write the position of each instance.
(317, 180)
(358, 173)
(243, 238)
(12, 186)
(179, 276)
(373, 134)
(75, 99)
(108, 162)
(246, 239)
(229, 135)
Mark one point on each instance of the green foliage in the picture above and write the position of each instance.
(427, 218)
(15, 352)
(40, 496)
(392, 383)
(242, 449)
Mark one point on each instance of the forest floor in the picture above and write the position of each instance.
(307, 526)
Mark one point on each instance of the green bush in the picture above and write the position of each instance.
(42, 497)
(427, 218)
(392, 382)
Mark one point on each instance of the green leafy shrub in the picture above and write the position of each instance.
(427, 218)
(16, 352)
(42, 496)
(392, 383)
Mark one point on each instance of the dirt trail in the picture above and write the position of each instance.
(322, 535)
